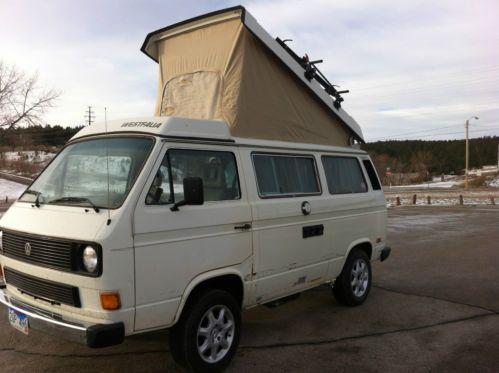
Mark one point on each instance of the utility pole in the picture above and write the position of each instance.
(89, 116)
(467, 153)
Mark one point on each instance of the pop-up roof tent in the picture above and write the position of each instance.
(224, 65)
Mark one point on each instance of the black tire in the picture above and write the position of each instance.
(347, 291)
(184, 338)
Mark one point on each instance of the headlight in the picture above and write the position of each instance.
(90, 259)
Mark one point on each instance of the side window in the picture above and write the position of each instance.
(343, 175)
(281, 175)
(217, 169)
(160, 191)
(372, 174)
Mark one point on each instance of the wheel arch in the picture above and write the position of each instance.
(363, 244)
(229, 280)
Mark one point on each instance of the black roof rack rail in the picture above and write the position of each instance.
(312, 72)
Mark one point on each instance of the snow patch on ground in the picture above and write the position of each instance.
(439, 184)
(29, 155)
(10, 189)
(493, 182)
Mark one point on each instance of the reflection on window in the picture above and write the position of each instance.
(217, 170)
(343, 175)
(100, 170)
(87, 174)
(285, 175)
(159, 192)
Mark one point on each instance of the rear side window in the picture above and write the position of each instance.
(372, 174)
(285, 175)
(344, 175)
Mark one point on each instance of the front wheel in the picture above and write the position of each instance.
(207, 335)
(354, 283)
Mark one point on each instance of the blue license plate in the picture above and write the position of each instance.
(19, 321)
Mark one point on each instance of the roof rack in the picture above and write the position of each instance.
(312, 72)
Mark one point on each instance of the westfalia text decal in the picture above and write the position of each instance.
(142, 124)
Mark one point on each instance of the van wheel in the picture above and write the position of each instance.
(207, 335)
(352, 286)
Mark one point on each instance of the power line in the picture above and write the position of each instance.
(408, 86)
(437, 134)
(421, 131)
(444, 76)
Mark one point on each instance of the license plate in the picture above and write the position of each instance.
(19, 321)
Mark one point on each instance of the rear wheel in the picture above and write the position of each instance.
(354, 283)
(207, 335)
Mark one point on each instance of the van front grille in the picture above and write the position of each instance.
(50, 291)
(44, 251)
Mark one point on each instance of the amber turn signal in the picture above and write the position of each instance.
(110, 301)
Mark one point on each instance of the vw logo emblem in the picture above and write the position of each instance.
(27, 249)
(306, 209)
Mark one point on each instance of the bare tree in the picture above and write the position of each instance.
(421, 162)
(22, 100)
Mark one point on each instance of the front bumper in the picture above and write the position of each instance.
(95, 336)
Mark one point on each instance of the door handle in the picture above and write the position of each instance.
(243, 227)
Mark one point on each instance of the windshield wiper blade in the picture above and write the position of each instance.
(37, 194)
(75, 199)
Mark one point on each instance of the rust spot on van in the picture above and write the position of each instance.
(301, 280)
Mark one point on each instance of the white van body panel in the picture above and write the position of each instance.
(52, 221)
(174, 247)
(283, 261)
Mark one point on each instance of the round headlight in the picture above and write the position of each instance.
(90, 259)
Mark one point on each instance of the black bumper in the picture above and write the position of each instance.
(105, 335)
(385, 253)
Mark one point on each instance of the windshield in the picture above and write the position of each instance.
(84, 172)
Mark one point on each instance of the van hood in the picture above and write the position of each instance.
(71, 222)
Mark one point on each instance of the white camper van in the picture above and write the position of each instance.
(181, 223)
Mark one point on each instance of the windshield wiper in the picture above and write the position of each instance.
(37, 194)
(75, 199)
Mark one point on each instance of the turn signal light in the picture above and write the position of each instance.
(110, 301)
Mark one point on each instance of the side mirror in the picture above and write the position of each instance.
(193, 193)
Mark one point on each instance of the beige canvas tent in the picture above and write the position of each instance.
(224, 65)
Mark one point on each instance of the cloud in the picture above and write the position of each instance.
(409, 65)
(430, 62)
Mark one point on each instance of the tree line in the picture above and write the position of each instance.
(33, 136)
(425, 158)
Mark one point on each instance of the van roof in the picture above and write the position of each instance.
(176, 128)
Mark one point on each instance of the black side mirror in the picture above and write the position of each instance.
(193, 193)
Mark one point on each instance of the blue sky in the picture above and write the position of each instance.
(415, 69)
